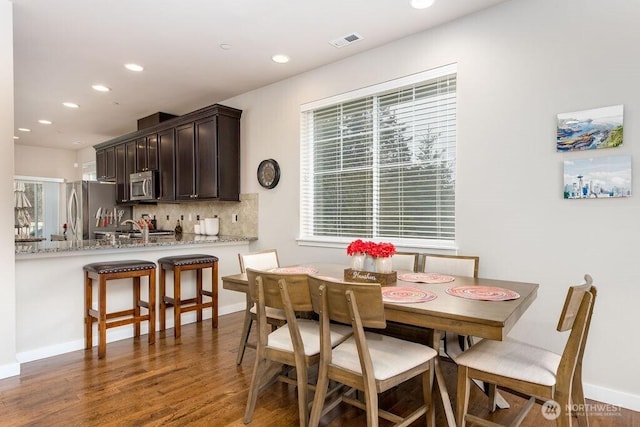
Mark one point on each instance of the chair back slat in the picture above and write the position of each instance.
(572, 304)
(458, 265)
(297, 284)
(263, 260)
(579, 322)
(407, 261)
(368, 297)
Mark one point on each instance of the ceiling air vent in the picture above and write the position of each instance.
(345, 40)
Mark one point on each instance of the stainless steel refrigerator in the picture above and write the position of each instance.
(91, 207)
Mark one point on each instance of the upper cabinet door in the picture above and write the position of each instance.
(152, 152)
(106, 164)
(185, 167)
(147, 153)
(166, 165)
(206, 160)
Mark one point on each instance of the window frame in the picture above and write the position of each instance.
(305, 159)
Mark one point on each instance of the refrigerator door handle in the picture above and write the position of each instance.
(72, 212)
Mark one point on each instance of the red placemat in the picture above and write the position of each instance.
(484, 293)
(425, 278)
(406, 294)
(294, 270)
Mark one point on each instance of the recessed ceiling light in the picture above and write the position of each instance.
(422, 4)
(70, 104)
(24, 130)
(133, 67)
(16, 137)
(280, 59)
(225, 46)
(101, 88)
(44, 122)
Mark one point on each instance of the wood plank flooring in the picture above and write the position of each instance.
(194, 381)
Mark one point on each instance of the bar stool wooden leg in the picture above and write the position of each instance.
(163, 304)
(88, 319)
(152, 307)
(199, 294)
(214, 294)
(102, 322)
(136, 305)
(177, 330)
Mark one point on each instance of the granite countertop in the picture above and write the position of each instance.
(154, 241)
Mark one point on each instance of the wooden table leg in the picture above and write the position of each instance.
(442, 387)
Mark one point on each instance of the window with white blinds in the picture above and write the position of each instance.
(379, 163)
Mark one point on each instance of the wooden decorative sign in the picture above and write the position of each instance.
(385, 279)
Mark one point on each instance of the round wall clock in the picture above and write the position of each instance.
(268, 173)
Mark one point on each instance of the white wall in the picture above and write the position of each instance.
(520, 63)
(8, 364)
(46, 162)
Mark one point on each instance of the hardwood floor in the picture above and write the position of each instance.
(194, 381)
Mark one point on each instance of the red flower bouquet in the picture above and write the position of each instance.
(375, 250)
(382, 250)
(356, 247)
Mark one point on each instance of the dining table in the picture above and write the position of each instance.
(451, 306)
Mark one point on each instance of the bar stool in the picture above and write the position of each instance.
(179, 264)
(104, 271)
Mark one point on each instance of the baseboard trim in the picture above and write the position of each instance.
(9, 370)
(611, 397)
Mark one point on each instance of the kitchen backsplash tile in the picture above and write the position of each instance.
(246, 211)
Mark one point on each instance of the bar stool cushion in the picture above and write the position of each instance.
(119, 266)
(181, 260)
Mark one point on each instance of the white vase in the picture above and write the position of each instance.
(369, 264)
(383, 265)
(357, 262)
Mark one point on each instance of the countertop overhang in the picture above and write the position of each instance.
(31, 249)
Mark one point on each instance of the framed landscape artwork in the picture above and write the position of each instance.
(598, 178)
(590, 129)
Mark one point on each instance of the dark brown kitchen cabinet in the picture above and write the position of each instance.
(125, 165)
(147, 153)
(208, 159)
(197, 156)
(166, 165)
(106, 164)
(185, 167)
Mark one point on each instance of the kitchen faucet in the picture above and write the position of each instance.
(144, 230)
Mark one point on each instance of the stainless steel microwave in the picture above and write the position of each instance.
(143, 186)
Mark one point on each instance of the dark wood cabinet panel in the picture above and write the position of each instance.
(228, 140)
(125, 165)
(122, 189)
(152, 152)
(147, 153)
(166, 165)
(185, 153)
(206, 159)
(106, 164)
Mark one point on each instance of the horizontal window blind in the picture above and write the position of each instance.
(381, 165)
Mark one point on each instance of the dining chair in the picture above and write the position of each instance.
(457, 265)
(367, 361)
(405, 261)
(535, 371)
(295, 344)
(263, 260)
